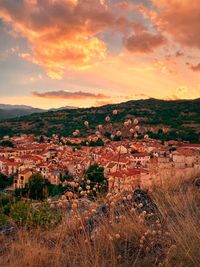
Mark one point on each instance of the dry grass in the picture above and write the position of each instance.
(175, 241)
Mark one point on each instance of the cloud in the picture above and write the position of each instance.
(61, 32)
(69, 95)
(194, 67)
(180, 18)
(144, 42)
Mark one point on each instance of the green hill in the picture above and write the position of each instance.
(180, 117)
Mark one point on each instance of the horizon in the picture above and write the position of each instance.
(76, 107)
(87, 53)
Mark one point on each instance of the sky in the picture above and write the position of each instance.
(85, 53)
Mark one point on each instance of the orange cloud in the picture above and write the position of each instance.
(69, 95)
(180, 18)
(60, 32)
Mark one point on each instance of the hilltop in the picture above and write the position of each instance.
(163, 119)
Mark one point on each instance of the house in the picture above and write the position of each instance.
(123, 180)
(8, 167)
(183, 158)
(140, 159)
(22, 178)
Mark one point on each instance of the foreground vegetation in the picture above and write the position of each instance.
(58, 235)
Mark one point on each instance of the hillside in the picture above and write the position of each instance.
(180, 117)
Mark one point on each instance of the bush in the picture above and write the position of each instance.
(20, 212)
(3, 219)
(40, 215)
(44, 217)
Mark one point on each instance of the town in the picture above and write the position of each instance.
(127, 164)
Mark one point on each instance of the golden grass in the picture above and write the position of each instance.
(173, 242)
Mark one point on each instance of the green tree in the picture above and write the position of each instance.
(66, 176)
(5, 181)
(6, 143)
(37, 187)
(94, 177)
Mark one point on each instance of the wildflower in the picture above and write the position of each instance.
(112, 204)
(75, 133)
(107, 119)
(86, 123)
(147, 249)
(59, 205)
(70, 194)
(126, 123)
(94, 139)
(135, 135)
(119, 257)
(63, 197)
(88, 181)
(131, 130)
(88, 187)
(118, 133)
(115, 112)
(129, 197)
(144, 213)
(98, 133)
(132, 210)
(100, 127)
(146, 137)
(108, 195)
(153, 232)
(112, 136)
(137, 128)
(117, 236)
(73, 184)
(135, 121)
(65, 201)
(140, 206)
(74, 206)
(110, 237)
(52, 206)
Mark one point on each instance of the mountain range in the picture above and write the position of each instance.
(11, 111)
(162, 119)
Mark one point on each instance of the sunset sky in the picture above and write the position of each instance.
(83, 53)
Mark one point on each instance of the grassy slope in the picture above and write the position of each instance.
(173, 242)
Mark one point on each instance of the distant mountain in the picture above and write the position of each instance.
(165, 120)
(62, 108)
(11, 107)
(11, 111)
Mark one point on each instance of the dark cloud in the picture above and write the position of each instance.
(194, 67)
(144, 42)
(69, 95)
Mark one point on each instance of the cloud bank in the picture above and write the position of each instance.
(69, 95)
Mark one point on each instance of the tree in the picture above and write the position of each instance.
(37, 186)
(66, 177)
(6, 143)
(5, 181)
(41, 139)
(95, 179)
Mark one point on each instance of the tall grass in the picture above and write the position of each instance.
(174, 240)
